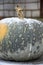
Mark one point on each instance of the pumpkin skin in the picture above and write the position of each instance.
(23, 39)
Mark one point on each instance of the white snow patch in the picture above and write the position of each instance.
(16, 19)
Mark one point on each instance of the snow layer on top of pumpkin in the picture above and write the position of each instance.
(16, 19)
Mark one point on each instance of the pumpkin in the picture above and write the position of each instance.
(21, 39)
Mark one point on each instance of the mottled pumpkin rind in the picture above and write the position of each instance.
(23, 41)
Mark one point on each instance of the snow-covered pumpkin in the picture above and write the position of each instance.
(20, 39)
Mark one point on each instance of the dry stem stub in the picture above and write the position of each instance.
(19, 11)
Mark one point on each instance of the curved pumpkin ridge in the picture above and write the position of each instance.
(3, 30)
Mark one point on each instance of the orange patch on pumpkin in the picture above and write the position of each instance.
(3, 30)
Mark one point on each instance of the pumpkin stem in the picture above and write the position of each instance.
(19, 12)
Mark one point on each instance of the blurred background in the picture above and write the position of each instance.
(31, 8)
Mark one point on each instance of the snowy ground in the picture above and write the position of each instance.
(35, 62)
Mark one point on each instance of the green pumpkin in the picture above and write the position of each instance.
(23, 39)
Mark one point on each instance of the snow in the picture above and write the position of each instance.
(16, 19)
(2, 62)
